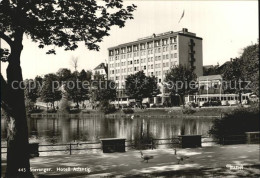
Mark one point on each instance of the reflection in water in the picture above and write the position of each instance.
(50, 130)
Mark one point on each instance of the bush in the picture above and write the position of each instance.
(35, 111)
(192, 104)
(74, 111)
(107, 108)
(236, 122)
(51, 111)
(128, 111)
(188, 110)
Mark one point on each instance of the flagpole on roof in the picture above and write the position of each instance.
(182, 15)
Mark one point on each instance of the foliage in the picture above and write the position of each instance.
(50, 91)
(128, 111)
(107, 108)
(240, 70)
(236, 122)
(139, 86)
(51, 110)
(74, 111)
(188, 110)
(233, 76)
(63, 23)
(192, 104)
(250, 58)
(181, 81)
(212, 70)
(85, 76)
(64, 74)
(103, 90)
(30, 93)
(76, 89)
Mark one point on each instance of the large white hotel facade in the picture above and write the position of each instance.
(155, 55)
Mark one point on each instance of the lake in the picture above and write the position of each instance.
(86, 128)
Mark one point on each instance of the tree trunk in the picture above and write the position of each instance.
(18, 164)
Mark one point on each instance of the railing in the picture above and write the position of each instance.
(149, 144)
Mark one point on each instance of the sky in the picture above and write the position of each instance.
(225, 26)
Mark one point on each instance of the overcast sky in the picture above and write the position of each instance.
(226, 28)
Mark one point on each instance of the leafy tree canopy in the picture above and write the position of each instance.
(62, 23)
(139, 86)
(181, 80)
(50, 89)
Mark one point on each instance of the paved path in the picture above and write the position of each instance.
(164, 164)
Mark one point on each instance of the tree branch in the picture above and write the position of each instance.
(6, 38)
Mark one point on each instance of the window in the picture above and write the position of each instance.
(175, 55)
(167, 56)
(111, 53)
(142, 46)
(135, 47)
(164, 41)
(175, 47)
(129, 49)
(159, 50)
(150, 44)
(144, 67)
(157, 43)
(152, 66)
(151, 59)
(163, 56)
(171, 55)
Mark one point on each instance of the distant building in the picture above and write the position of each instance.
(101, 69)
(155, 55)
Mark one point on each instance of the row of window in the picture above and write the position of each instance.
(143, 53)
(166, 64)
(143, 46)
(157, 58)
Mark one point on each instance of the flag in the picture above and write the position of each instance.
(181, 16)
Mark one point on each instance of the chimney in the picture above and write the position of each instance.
(184, 30)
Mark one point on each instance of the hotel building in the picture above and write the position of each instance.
(155, 55)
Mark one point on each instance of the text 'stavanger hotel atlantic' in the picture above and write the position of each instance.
(155, 55)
